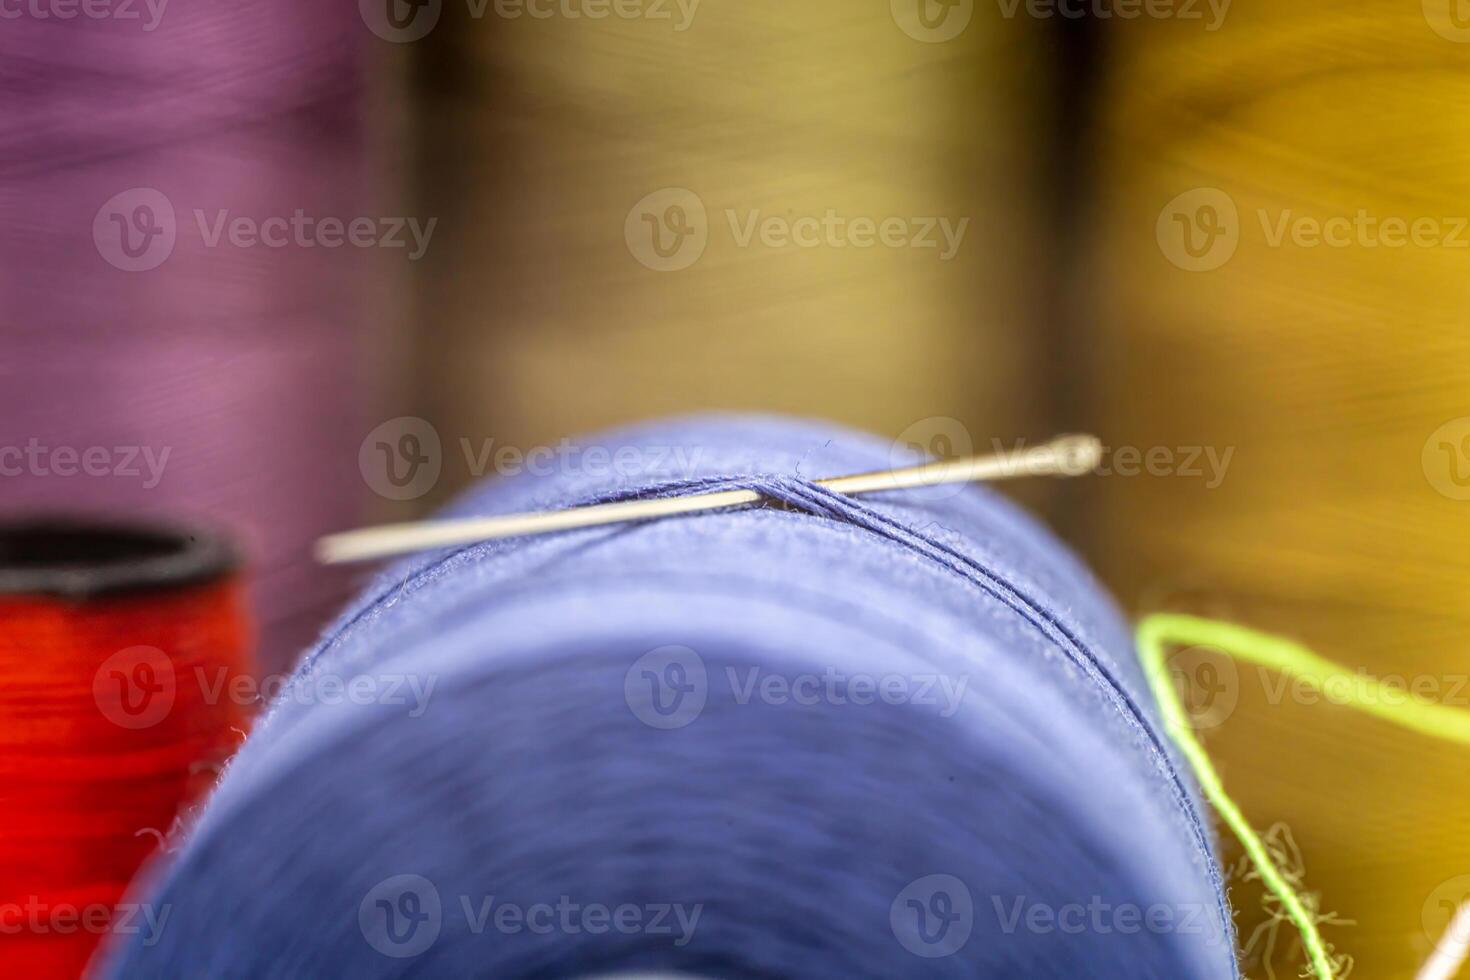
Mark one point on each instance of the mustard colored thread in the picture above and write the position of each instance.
(1157, 632)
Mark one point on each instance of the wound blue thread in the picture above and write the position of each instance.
(817, 839)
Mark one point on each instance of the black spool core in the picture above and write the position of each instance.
(74, 558)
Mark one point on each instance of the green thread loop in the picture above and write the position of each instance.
(1157, 632)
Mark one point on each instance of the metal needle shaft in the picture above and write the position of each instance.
(1073, 455)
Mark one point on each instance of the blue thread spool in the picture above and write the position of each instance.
(879, 738)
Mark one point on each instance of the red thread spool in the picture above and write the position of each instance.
(120, 649)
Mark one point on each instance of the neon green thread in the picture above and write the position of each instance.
(1157, 632)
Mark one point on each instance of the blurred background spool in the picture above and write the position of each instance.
(1339, 374)
(121, 646)
(552, 142)
(206, 360)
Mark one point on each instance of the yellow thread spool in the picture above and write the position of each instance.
(543, 319)
(1341, 375)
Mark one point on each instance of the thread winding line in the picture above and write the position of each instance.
(821, 501)
(807, 496)
(1157, 632)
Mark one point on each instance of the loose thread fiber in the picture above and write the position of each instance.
(1158, 632)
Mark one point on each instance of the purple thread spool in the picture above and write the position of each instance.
(130, 333)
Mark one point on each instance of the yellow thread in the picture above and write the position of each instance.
(1157, 632)
(1337, 375)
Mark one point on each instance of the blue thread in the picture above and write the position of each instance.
(599, 735)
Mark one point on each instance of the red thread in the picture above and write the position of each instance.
(115, 714)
